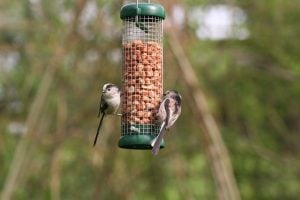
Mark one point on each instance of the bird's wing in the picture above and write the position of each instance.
(165, 109)
(102, 107)
(167, 105)
(161, 114)
(175, 110)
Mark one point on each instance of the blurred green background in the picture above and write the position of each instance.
(55, 55)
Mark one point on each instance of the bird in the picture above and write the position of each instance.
(142, 27)
(168, 113)
(109, 103)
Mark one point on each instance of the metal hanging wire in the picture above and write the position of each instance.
(124, 2)
(137, 8)
(137, 1)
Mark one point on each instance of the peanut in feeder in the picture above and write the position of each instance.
(142, 73)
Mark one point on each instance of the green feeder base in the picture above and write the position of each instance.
(132, 140)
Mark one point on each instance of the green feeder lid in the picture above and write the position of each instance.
(141, 142)
(132, 140)
(143, 9)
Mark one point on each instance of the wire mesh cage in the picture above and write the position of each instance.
(142, 73)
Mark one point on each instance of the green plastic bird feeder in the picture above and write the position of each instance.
(142, 73)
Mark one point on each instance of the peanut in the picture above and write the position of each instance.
(142, 81)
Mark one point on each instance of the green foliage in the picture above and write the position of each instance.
(253, 87)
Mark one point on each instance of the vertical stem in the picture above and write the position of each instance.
(62, 115)
(55, 175)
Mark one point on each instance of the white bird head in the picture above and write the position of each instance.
(110, 89)
(174, 95)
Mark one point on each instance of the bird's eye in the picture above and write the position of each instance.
(108, 89)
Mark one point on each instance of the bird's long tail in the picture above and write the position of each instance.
(98, 129)
(158, 139)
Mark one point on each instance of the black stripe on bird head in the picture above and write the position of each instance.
(174, 95)
(178, 99)
(108, 86)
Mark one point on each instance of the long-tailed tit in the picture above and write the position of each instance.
(109, 103)
(168, 113)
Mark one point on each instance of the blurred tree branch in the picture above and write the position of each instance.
(62, 115)
(38, 105)
(215, 148)
(55, 175)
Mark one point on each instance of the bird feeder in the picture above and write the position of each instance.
(142, 73)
